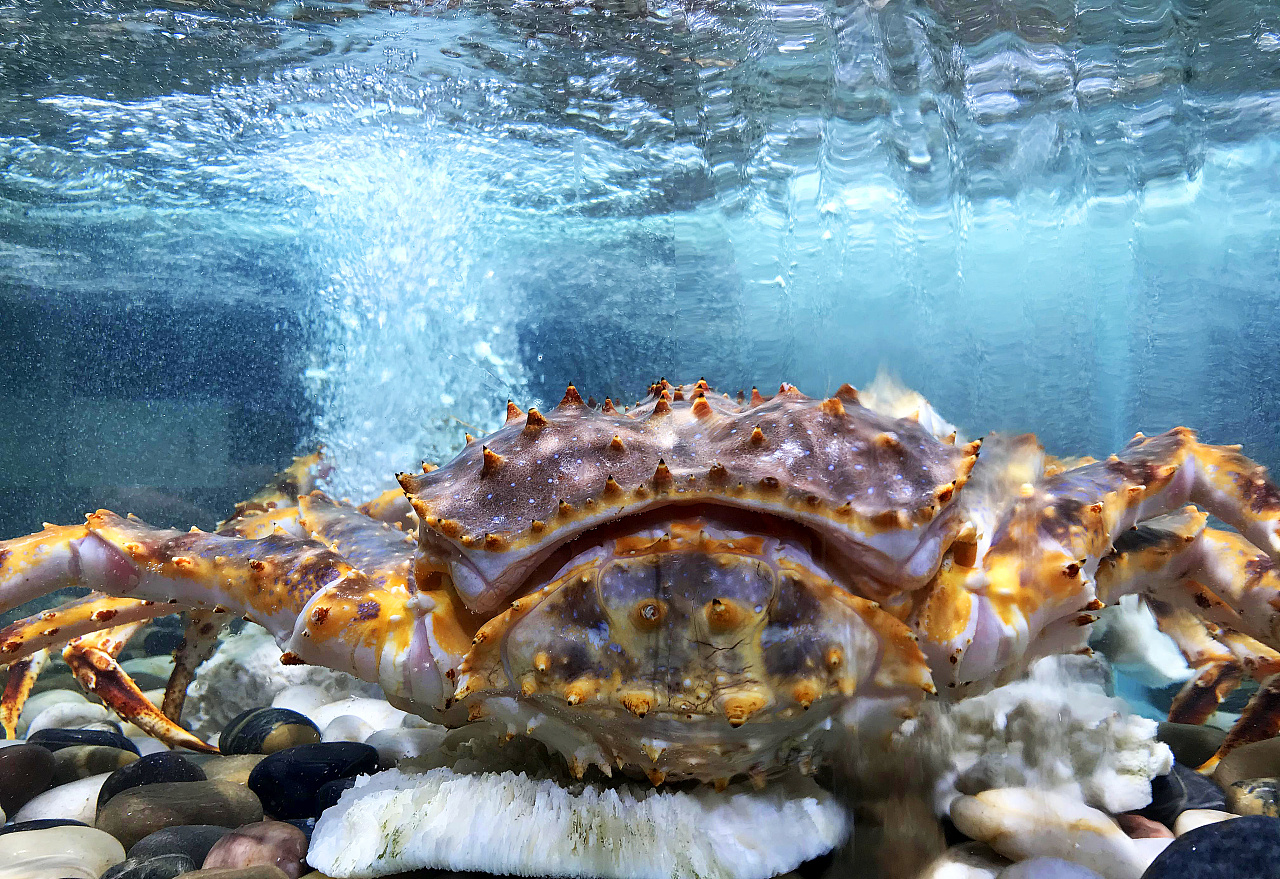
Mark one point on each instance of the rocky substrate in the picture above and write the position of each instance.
(1046, 779)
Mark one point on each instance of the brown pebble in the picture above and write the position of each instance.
(139, 811)
(1138, 827)
(1255, 796)
(235, 768)
(1254, 760)
(261, 871)
(266, 842)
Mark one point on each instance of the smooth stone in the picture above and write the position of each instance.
(1190, 743)
(302, 698)
(267, 730)
(267, 842)
(149, 683)
(166, 766)
(1138, 827)
(56, 680)
(1244, 847)
(147, 745)
(40, 701)
(347, 728)
(332, 791)
(77, 801)
(67, 715)
(40, 824)
(288, 781)
(237, 768)
(159, 641)
(1022, 823)
(1047, 868)
(1254, 760)
(25, 771)
(137, 812)
(1181, 789)
(57, 739)
(81, 761)
(407, 743)
(1193, 818)
(159, 867)
(968, 860)
(157, 666)
(1255, 796)
(106, 726)
(261, 871)
(81, 852)
(378, 713)
(192, 840)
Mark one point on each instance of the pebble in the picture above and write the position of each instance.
(1190, 743)
(55, 680)
(77, 801)
(378, 713)
(267, 730)
(396, 745)
(1244, 847)
(1047, 868)
(161, 641)
(1022, 823)
(331, 791)
(1193, 818)
(25, 770)
(137, 812)
(262, 871)
(165, 766)
(1138, 827)
(237, 768)
(57, 739)
(968, 860)
(69, 851)
(1254, 760)
(1254, 796)
(192, 840)
(40, 701)
(1181, 789)
(147, 745)
(288, 781)
(67, 715)
(267, 842)
(81, 761)
(159, 867)
(159, 667)
(40, 824)
(347, 728)
(303, 698)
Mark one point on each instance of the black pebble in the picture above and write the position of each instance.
(306, 825)
(159, 867)
(154, 768)
(192, 840)
(287, 781)
(266, 730)
(161, 642)
(1242, 848)
(57, 739)
(40, 824)
(25, 771)
(330, 792)
(1181, 789)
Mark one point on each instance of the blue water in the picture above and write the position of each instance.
(1048, 216)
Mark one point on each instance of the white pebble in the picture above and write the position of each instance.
(969, 860)
(147, 745)
(395, 745)
(347, 728)
(72, 852)
(1193, 818)
(160, 666)
(1022, 823)
(40, 701)
(302, 698)
(77, 801)
(378, 713)
(1149, 848)
(68, 715)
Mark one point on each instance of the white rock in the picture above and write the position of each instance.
(396, 745)
(347, 728)
(1055, 729)
(302, 698)
(159, 666)
(1022, 823)
(77, 800)
(969, 860)
(1149, 848)
(245, 672)
(393, 822)
(147, 745)
(68, 715)
(73, 852)
(1193, 818)
(378, 713)
(40, 701)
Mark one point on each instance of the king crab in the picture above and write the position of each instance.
(694, 588)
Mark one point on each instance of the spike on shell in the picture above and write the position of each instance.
(701, 408)
(833, 407)
(847, 393)
(534, 421)
(756, 399)
(513, 412)
(662, 475)
(662, 407)
(492, 461)
(571, 398)
(608, 407)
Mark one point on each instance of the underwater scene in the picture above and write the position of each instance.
(640, 438)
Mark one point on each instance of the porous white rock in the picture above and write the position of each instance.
(71, 852)
(1056, 729)
(504, 822)
(246, 672)
(77, 800)
(1022, 823)
(406, 743)
(347, 728)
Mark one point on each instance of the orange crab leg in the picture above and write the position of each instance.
(92, 661)
(22, 677)
(55, 626)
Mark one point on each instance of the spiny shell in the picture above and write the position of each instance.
(505, 502)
